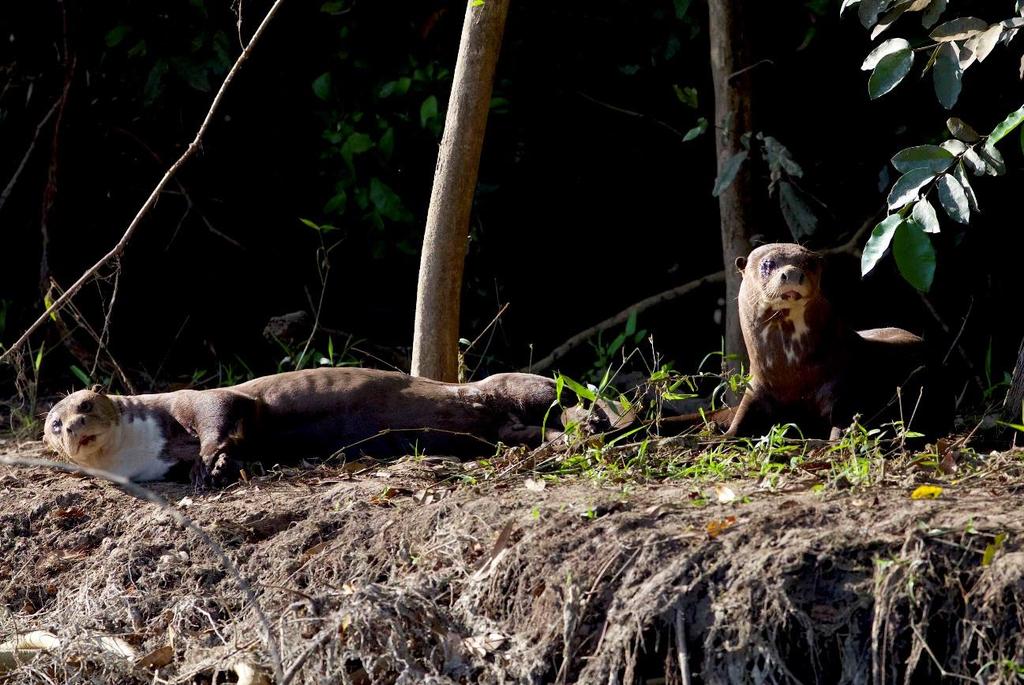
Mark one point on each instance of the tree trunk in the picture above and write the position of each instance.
(435, 352)
(1013, 406)
(730, 53)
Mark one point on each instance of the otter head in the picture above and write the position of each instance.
(785, 275)
(80, 425)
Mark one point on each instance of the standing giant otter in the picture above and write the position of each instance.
(806, 365)
(300, 413)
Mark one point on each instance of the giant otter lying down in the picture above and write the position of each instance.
(297, 414)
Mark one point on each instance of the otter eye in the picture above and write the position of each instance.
(767, 266)
(85, 407)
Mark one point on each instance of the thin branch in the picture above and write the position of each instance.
(190, 205)
(28, 153)
(182, 520)
(966, 358)
(851, 246)
(628, 112)
(153, 196)
(620, 318)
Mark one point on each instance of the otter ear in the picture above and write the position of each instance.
(96, 388)
(741, 264)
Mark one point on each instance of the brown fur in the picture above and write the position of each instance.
(316, 412)
(807, 366)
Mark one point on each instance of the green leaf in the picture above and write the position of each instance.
(154, 82)
(973, 161)
(961, 177)
(386, 144)
(478, 3)
(960, 28)
(398, 87)
(312, 224)
(798, 212)
(687, 95)
(38, 362)
(931, 157)
(81, 375)
(915, 255)
(924, 214)
(631, 323)
(878, 243)
(702, 125)
(908, 187)
(889, 72)
(886, 47)
(728, 173)
(947, 74)
(355, 144)
(962, 130)
(1006, 125)
(681, 7)
(336, 203)
(333, 7)
(981, 45)
(387, 203)
(994, 164)
(932, 14)
(953, 199)
(116, 35)
(889, 18)
(990, 550)
(869, 11)
(580, 390)
(780, 159)
(322, 86)
(428, 110)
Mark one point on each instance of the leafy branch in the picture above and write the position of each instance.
(954, 46)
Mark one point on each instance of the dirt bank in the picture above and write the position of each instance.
(429, 571)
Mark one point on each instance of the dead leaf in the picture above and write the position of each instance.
(158, 658)
(948, 463)
(534, 485)
(489, 562)
(926, 492)
(423, 497)
(185, 502)
(71, 513)
(725, 494)
(716, 527)
(656, 511)
(313, 551)
(482, 645)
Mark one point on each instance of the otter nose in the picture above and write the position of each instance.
(792, 275)
(73, 427)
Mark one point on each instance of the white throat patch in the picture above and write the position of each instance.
(133, 452)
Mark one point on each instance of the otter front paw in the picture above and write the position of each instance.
(215, 469)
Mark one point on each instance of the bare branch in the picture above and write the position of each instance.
(620, 318)
(153, 196)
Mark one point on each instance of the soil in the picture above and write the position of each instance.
(430, 570)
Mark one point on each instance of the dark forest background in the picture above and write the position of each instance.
(589, 199)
